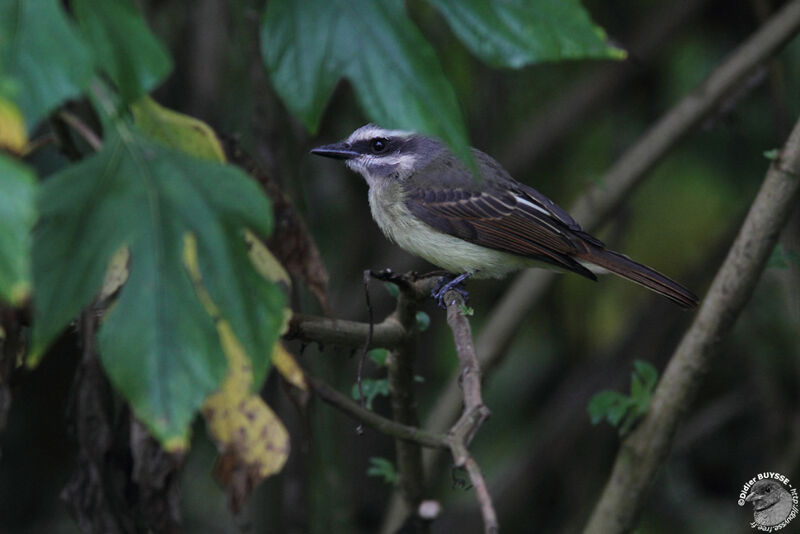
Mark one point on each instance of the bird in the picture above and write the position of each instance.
(430, 203)
(772, 503)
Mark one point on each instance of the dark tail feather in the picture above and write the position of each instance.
(636, 272)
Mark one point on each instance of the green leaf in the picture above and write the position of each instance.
(158, 344)
(621, 410)
(298, 44)
(308, 45)
(648, 372)
(515, 33)
(372, 388)
(608, 405)
(423, 321)
(123, 45)
(43, 54)
(782, 258)
(17, 216)
(381, 467)
(638, 391)
(379, 356)
(772, 154)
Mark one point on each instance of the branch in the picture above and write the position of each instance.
(88, 135)
(379, 423)
(401, 379)
(596, 205)
(475, 412)
(648, 445)
(400, 367)
(388, 334)
(312, 329)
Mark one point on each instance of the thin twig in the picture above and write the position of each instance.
(88, 135)
(378, 422)
(646, 448)
(40, 142)
(367, 342)
(490, 523)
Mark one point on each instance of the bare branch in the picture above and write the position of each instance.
(648, 445)
(388, 334)
(311, 329)
(401, 379)
(475, 412)
(400, 366)
(379, 423)
(88, 135)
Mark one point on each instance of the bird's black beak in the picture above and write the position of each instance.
(336, 151)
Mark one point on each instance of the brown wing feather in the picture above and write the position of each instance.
(496, 220)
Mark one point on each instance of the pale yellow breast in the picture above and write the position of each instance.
(450, 253)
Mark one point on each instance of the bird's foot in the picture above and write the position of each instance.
(448, 282)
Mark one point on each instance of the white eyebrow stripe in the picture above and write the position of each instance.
(532, 205)
(370, 131)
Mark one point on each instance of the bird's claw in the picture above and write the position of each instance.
(448, 282)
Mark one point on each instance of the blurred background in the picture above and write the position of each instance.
(556, 127)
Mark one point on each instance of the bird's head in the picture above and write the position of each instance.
(765, 493)
(379, 154)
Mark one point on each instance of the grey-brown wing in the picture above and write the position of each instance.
(500, 215)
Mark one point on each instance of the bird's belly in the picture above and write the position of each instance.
(448, 252)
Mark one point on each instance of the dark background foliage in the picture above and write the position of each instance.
(543, 459)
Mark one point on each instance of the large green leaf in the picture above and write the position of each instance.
(123, 45)
(42, 54)
(17, 216)
(515, 33)
(158, 344)
(309, 44)
(298, 44)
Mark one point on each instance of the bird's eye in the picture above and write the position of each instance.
(378, 145)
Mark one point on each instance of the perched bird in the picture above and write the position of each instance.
(771, 502)
(426, 200)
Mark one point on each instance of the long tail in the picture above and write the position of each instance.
(625, 267)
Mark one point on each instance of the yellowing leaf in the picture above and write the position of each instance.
(177, 130)
(265, 263)
(117, 273)
(252, 440)
(248, 433)
(12, 128)
(288, 367)
(191, 263)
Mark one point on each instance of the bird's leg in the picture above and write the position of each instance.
(448, 282)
